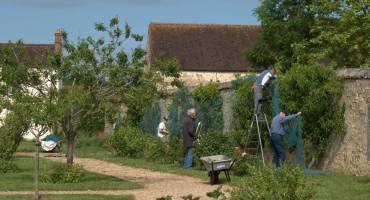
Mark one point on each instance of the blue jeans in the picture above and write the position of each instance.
(188, 160)
(278, 149)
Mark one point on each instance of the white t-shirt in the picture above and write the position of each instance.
(162, 126)
(266, 78)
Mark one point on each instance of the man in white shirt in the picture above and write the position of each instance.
(162, 131)
(261, 81)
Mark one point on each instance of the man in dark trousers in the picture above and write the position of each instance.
(188, 136)
(277, 132)
(261, 81)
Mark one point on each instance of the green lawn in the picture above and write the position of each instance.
(26, 146)
(332, 186)
(68, 197)
(93, 181)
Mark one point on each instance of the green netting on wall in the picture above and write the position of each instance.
(181, 102)
(211, 116)
(209, 112)
(151, 119)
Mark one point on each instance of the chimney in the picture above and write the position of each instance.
(58, 40)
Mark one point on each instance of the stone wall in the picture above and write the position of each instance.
(196, 78)
(351, 155)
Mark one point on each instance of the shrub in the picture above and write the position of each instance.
(239, 138)
(128, 142)
(7, 166)
(314, 90)
(203, 93)
(155, 150)
(213, 144)
(170, 152)
(11, 135)
(265, 183)
(175, 151)
(244, 164)
(63, 173)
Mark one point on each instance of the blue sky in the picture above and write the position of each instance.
(35, 21)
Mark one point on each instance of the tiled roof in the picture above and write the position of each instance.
(35, 50)
(203, 47)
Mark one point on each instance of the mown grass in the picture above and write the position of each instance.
(67, 197)
(23, 180)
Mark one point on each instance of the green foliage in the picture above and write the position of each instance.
(209, 107)
(314, 90)
(63, 173)
(170, 152)
(284, 23)
(128, 142)
(265, 183)
(301, 32)
(155, 150)
(168, 197)
(175, 151)
(212, 144)
(15, 125)
(239, 138)
(339, 31)
(169, 68)
(243, 102)
(203, 93)
(190, 197)
(133, 143)
(244, 165)
(217, 194)
(8, 166)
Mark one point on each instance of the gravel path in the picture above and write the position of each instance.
(156, 184)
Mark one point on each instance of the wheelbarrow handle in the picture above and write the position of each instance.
(232, 164)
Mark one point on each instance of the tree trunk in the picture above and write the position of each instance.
(70, 148)
(37, 168)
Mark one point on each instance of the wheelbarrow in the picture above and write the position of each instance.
(215, 165)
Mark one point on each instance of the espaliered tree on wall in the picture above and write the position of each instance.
(306, 41)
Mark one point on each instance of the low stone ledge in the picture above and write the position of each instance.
(354, 73)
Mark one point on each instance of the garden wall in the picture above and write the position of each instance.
(351, 155)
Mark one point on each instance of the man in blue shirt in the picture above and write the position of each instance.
(261, 81)
(277, 132)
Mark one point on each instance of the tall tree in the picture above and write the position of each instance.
(341, 34)
(27, 95)
(330, 32)
(99, 75)
(284, 23)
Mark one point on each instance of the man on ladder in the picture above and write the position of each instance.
(254, 138)
(261, 81)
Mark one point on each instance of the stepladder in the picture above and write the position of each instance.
(254, 145)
